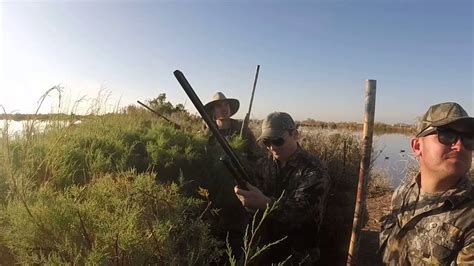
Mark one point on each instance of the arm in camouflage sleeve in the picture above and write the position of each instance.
(466, 255)
(307, 202)
(388, 221)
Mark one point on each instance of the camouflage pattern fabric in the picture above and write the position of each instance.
(305, 182)
(252, 150)
(443, 114)
(430, 229)
(230, 222)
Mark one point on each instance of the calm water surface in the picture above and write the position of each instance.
(393, 156)
(15, 128)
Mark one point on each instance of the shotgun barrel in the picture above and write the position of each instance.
(245, 123)
(160, 115)
(235, 167)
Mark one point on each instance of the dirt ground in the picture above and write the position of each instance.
(377, 206)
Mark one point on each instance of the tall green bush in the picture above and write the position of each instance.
(115, 219)
(104, 191)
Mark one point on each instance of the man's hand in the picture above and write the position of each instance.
(252, 198)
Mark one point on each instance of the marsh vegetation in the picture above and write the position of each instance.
(129, 188)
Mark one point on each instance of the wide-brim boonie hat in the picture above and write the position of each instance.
(275, 125)
(234, 104)
(443, 114)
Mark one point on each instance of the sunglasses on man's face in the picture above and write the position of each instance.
(275, 142)
(450, 137)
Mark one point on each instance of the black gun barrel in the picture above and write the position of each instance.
(245, 123)
(160, 115)
(242, 176)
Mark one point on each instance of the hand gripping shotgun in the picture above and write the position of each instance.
(232, 161)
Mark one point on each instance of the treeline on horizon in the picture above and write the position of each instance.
(379, 127)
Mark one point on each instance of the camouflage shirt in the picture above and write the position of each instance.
(305, 182)
(429, 228)
(252, 150)
(229, 222)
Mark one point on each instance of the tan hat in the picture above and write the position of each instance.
(443, 114)
(220, 97)
(275, 125)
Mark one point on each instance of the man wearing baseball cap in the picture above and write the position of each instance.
(304, 182)
(432, 216)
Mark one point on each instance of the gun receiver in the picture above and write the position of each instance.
(235, 167)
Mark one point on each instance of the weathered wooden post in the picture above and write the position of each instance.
(370, 88)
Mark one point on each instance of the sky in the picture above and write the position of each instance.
(315, 56)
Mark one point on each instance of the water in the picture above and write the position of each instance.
(17, 128)
(393, 156)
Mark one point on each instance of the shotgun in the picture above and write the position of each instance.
(160, 115)
(245, 123)
(232, 162)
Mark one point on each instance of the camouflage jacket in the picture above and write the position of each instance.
(229, 222)
(305, 182)
(430, 230)
(252, 150)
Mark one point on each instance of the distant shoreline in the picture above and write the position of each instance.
(42, 117)
(379, 128)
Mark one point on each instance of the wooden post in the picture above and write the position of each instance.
(370, 88)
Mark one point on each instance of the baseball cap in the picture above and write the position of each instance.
(443, 114)
(275, 125)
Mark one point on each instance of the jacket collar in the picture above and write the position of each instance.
(455, 196)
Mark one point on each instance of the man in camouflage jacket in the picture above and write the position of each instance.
(228, 224)
(304, 182)
(221, 109)
(432, 217)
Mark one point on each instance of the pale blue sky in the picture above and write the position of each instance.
(315, 55)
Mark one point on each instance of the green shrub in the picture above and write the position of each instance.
(124, 218)
(87, 193)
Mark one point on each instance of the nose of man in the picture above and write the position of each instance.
(457, 146)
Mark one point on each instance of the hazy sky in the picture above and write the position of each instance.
(315, 55)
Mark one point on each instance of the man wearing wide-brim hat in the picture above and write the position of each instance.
(218, 99)
(232, 217)
(432, 216)
(221, 109)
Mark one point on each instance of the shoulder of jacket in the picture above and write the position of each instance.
(311, 160)
(400, 194)
(235, 123)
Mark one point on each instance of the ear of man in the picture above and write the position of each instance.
(416, 146)
(294, 134)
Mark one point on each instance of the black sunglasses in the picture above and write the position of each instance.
(276, 142)
(450, 137)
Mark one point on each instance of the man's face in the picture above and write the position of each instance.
(440, 160)
(221, 110)
(286, 149)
